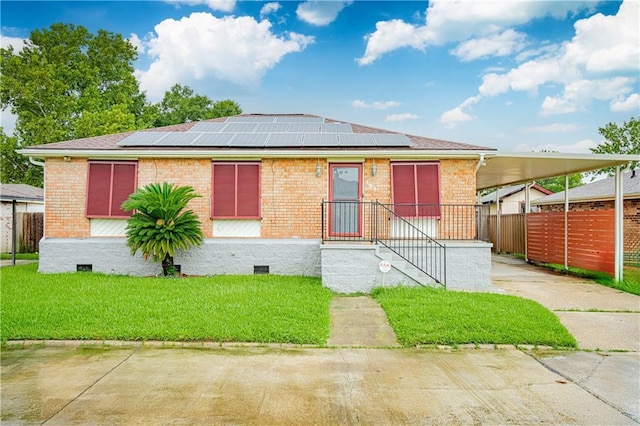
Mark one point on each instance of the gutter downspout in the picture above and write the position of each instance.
(481, 162)
(36, 162)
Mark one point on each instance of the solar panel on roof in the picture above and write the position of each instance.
(304, 128)
(250, 140)
(272, 127)
(239, 127)
(320, 139)
(142, 139)
(178, 139)
(213, 139)
(356, 139)
(336, 128)
(252, 119)
(207, 127)
(285, 140)
(297, 119)
(391, 139)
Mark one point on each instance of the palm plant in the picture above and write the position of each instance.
(160, 225)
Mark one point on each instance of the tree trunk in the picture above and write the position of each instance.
(167, 264)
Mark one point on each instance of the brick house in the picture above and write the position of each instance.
(600, 195)
(283, 194)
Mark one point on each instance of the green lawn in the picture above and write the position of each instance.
(255, 308)
(21, 256)
(630, 282)
(422, 316)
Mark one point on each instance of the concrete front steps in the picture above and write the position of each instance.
(407, 269)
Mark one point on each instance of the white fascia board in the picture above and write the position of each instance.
(253, 154)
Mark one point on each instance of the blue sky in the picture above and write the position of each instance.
(514, 75)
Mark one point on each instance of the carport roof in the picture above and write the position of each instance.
(508, 168)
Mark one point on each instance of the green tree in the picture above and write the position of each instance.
(181, 105)
(620, 139)
(556, 184)
(160, 226)
(15, 168)
(67, 83)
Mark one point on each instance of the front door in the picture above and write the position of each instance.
(345, 193)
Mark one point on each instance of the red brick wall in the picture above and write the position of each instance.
(64, 194)
(291, 192)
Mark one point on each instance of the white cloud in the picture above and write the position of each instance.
(389, 36)
(16, 42)
(137, 43)
(578, 94)
(449, 21)
(320, 12)
(602, 44)
(269, 8)
(553, 128)
(220, 5)
(494, 45)
(580, 147)
(238, 50)
(607, 43)
(401, 117)
(632, 103)
(375, 104)
(454, 116)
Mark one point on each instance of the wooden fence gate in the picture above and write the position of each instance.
(511, 232)
(32, 232)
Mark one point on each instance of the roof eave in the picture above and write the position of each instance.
(252, 153)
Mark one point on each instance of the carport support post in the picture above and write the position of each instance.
(619, 235)
(566, 221)
(497, 220)
(527, 210)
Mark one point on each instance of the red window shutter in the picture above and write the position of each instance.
(124, 184)
(428, 189)
(248, 194)
(224, 190)
(404, 191)
(98, 189)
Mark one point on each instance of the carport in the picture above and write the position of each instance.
(497, 169)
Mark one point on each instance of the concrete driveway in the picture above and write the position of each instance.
(599, 317)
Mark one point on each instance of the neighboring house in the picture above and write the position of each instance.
(600, 195)
(283, 194)
(28, 199)
(512, 198)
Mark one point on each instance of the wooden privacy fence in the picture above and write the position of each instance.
(32, 232)
(590, 244)
(511, 232)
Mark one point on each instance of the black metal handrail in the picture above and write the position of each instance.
(379, 223)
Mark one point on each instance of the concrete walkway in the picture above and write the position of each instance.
(359, 322)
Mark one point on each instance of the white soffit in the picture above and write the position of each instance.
(504, 168)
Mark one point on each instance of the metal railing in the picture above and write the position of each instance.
(411, 244)
(356, 221)
(411, 231)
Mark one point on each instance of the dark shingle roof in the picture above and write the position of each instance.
(110, 142)
(599, 190)
(20, 192)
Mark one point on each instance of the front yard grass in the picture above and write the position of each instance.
(424, 316)
(255, 308)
